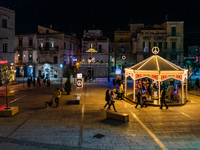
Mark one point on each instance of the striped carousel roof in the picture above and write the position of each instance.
(156, 63)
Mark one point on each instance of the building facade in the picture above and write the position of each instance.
(7, 36)
(167, 36)
(46, 54)
(120, 52)
(95, 64)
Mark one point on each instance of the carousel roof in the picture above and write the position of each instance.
(156, 63)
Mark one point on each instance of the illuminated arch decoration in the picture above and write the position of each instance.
(158, 69)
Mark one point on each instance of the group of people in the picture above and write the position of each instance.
(31, 82)
(144, 90)
(109, 98)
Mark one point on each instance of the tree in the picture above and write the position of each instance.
(7, 74)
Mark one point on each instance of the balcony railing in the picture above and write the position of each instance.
(93, 64)
(56, 48)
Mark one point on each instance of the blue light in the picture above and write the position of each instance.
(61, 65)
(74, 59)
(118, 71)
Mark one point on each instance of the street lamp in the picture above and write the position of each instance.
(91, 50)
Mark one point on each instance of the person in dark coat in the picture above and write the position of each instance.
(163, 99)
(107, 98)
(197, 83)
(111, 101)
(114, 83)
(139, 95)
(38, 81)
(33, 82)
(28, 82)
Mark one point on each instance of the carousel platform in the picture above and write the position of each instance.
(154, 102)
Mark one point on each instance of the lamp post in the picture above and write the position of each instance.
(91, 50)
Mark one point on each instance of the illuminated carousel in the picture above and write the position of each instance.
(158, 69)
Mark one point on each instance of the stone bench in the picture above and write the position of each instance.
(117, 116)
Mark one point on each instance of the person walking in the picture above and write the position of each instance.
(38, 81)
(28, 82)
(163, 99)
(33, 82)
(139, 95)
(111, 102)
(57, 95)
(107, 98)
(44, 81)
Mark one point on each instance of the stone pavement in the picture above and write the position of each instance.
(73, 126)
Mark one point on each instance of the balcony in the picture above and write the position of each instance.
(56, 48)
(93, 64)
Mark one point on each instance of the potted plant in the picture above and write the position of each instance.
(68, 83)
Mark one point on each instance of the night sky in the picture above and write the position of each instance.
(108, 15)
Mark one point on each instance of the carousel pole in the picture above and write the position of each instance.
(125, 84)
(134, 90)
(182, 101)
(186, 88)
(159, 92)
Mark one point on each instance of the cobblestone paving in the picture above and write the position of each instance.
(73, 126)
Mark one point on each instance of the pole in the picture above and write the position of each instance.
(6, 98)
(91, 66)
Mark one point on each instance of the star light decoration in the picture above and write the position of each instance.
(6, 73)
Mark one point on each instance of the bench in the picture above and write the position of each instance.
(117, 116)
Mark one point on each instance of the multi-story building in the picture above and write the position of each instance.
(167, 36)
(7, 36)
(47, 53)
(97, 66)
(120, 53)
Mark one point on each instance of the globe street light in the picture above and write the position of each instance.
(91, 50)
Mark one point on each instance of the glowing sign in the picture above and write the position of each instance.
(74, 59)
(117, 71)
(155, 50)
(79, 75)
(3, 61)
(197, 59)
(61, 65)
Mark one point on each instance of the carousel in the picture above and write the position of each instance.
(158, 70)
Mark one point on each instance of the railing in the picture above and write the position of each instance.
(93, 64)
(56, 48)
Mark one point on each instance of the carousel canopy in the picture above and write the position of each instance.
(156, 63)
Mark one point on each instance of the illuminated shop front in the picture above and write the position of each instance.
(26, 71)
(47, 70)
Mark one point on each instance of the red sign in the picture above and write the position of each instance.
(197, 58)
(3, 61)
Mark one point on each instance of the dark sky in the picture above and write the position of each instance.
(107, 15)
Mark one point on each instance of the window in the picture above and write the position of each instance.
(5, 47)
(30, 43)
(173, 46)
(55, 60)
(160, 46)
(100, 48)
(64, 45)
(122, 48)
(165, 45)
(154, 43)
(4, 23)
(173, 57)
(70, 46)
(20, 42)
(47, 45)
(47, 31)
(143, 45)
(173, 29)
(149, 46)
(30, 57)
(121, 39)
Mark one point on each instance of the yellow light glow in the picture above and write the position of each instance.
(157, 63)
(91, 50)
(145, 62)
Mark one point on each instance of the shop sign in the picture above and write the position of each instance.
(79, 75)
(3, 61)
